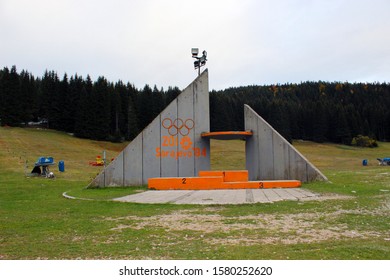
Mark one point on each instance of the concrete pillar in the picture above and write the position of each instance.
(271, 157)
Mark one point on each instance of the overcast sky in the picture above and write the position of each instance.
(248, 41)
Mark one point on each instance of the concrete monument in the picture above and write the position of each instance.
(177, 144)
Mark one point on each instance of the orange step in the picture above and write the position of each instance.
(214, 183)
(185, 183)
(262, 184)
(228, 176)
(212, 180)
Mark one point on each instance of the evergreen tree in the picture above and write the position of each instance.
(65, 117)
(3, 85)
(116, 114)
(130, 109)
(280, 120)
(50, 101)
(84, 114)
(320, 123)
(341, 132)
(157, 102)
(100, 110)
(146, 112)
(74, 91)
(12, 108)
(28, 97)
(132, 125)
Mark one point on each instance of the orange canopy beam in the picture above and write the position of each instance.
(227, 135)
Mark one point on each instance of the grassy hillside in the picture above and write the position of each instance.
(21, 145)
(36, 222)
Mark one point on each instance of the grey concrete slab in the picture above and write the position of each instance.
(285, 194)
(209, 197)
(266, 149)
(236, 196)
(168, 148)
(215, 197)
(99, 180)
(249, 196)
(259, 196)
(281, 158)
(298, 193)
(182, 196)
(298, 169)
(202, 124)
(199, 198)
(272, 195)
(251, 146)
(186, 134)
(305, 193)
(133, 157)
(151, 141)
(114, 172)
(153, 197)
(269, 156)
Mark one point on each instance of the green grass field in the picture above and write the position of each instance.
(36, 222)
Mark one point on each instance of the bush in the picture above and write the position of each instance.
(364, 141)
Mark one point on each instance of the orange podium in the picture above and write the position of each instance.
(214, 180)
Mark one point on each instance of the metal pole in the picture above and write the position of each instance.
(104, 168)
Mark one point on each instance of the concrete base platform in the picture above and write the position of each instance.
(241, 196)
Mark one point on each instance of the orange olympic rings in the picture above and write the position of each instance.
(178, 126)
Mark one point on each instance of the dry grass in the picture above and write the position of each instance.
(21, 146)
(227, 155)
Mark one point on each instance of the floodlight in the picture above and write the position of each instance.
(194, 52)
(200, 61)
(196, 64)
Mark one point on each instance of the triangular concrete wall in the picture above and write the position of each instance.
(271, 157)
(171, 146)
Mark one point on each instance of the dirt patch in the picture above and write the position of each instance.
(252, 229)
(327, 196)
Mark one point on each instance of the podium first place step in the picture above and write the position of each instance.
(228, 176)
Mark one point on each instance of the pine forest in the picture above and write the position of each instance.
(102, 110)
